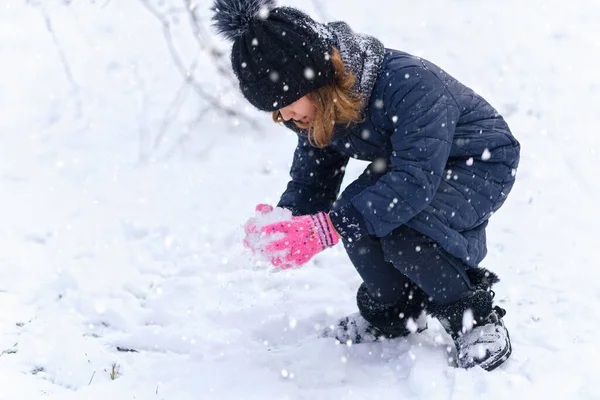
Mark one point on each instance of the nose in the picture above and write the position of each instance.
(287, 114)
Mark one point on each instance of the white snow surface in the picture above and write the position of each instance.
(123, 199)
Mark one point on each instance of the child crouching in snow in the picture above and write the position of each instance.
(442, 161)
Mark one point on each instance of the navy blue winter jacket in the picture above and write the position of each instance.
(449, 161)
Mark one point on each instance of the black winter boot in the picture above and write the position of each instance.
(379, 321)
(475, 326)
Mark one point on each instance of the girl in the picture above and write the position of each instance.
(442, 161)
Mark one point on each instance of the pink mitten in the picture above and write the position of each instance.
(305, 236)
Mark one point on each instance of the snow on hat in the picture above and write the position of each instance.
(278, 55)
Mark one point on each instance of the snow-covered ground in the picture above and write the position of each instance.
(121, 215)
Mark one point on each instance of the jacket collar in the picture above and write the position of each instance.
(362, 55)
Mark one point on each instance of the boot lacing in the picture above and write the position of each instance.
(497, 312)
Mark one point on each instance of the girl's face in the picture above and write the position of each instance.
(302, 110)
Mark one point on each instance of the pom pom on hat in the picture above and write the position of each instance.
(232, 18)
(278, 55)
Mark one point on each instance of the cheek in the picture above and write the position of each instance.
(311, 110)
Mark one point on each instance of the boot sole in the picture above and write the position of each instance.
(377, 338)
(500, 360)
(490, 363)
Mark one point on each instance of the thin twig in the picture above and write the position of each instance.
(63, 58)
(186, 136)
(204, 40)
(187, 73)
(171, 113)
(92, 378)
(144, 136)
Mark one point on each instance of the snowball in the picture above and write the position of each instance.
(258, 241)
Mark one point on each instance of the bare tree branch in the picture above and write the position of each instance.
(170, 114)
(144, 134)
(63, 58)
(205, 42)
(185, 136)
(188, 73)
(168, 16)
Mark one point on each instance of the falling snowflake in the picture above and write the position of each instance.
(263, 13)
(380, 165)
(309, 73)
(467, 320)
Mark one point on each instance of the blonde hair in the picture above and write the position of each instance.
(336, 103)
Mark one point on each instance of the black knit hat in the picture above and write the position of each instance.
(278, 55)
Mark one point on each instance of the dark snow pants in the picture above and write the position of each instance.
(405, 263)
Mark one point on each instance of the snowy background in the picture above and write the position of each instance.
(123, 191)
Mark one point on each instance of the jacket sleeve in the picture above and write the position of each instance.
(423, 116)
(317, 175)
